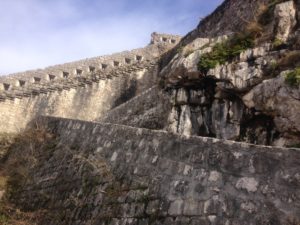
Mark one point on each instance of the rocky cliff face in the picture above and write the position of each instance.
(241, 86)
(235, 77)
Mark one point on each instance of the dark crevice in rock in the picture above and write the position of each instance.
(178, 110)
(258, 129)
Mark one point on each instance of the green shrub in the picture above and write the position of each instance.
(272, 70)
(188, 52)
(179, 50)
(225, 51)
(293, 78)
(277, 43)
(4, 219)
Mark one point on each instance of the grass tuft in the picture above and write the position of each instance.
(225, 51)
(293, 78)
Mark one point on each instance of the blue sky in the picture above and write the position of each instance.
(39, 33)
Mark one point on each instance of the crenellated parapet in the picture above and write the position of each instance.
(83, 69)
(164, 38)
(58, 84)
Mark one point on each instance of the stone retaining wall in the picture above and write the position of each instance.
(111, 174)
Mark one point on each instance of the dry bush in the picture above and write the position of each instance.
(255, 29)
(296, 42)
(20, 154)
(293, 221)
(24, 155)
(261, 26)
(10, 215)
(290, 60)
(6, 141)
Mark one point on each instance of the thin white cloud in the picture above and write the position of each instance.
(38, 33)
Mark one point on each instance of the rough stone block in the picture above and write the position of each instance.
(176, 208)
(192, 208)
(249, 184)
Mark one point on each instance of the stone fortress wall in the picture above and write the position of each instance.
(112, 174)
(84, 89)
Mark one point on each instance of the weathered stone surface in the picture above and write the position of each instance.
(176, 208)
(193, 180)
(182, 97)
(222, 112)
(247, 183)
(147, 110)
(185, 123)
(184, 65)
(218, 111)
(243, 74)
(285, 14)
(275, 97)
(203, 115)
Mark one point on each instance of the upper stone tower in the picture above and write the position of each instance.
(164, 38)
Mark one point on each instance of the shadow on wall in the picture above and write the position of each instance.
(127, 93)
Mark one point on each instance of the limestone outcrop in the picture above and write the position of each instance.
(285, 14)
(275, 98)
(245, 98)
